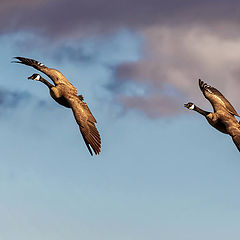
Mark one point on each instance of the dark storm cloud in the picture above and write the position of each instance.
(72, 18)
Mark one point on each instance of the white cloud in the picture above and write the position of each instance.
(177, 57)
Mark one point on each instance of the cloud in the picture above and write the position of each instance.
(11, 99)
(154, 106)
(183, 41)
(166, 75)
(12, 11)
(70, 18)
(174, 60)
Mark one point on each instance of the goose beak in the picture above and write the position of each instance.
(30, 77)
(185, 105)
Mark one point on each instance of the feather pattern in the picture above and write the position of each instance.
(217, 100)
(86, 122)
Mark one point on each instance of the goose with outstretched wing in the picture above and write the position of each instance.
(64, 93)
(223, 117)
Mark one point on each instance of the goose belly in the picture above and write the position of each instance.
(219, 125)
(61, 100)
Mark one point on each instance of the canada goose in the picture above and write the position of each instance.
(64, 93)
(222, 118)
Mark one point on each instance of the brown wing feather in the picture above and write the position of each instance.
(86, 121)
(55, 75)
(233, 129)
(216, 98)
(36, 64)
(90, 116)
(236, 140)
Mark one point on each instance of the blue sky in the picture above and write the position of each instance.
(163, 172)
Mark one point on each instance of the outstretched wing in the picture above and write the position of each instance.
(236, 140)
(217, 100)
(56, 76)
(233, 128)
(86, 122)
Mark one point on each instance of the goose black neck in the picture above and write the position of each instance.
(201, 111)
(48, 84)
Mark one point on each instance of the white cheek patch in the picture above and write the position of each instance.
(192, 107)
(40, 64)
(37, 78)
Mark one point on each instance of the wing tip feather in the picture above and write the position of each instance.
(92, 141)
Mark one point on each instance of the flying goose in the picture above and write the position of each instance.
(223, 117)
(64, 93)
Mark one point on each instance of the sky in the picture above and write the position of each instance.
(163, 172)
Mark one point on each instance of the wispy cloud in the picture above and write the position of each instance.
(174, 60)
(10, 99)
(183, 41)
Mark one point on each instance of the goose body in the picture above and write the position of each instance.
(216, 122)
(64, 93)
(223, 117)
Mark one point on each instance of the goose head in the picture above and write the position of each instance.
(189, 105)
(35, 77)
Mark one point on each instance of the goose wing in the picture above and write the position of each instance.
(236, 140)
(217, 100)
(86, 122)
(56, 76)
(233, 129)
